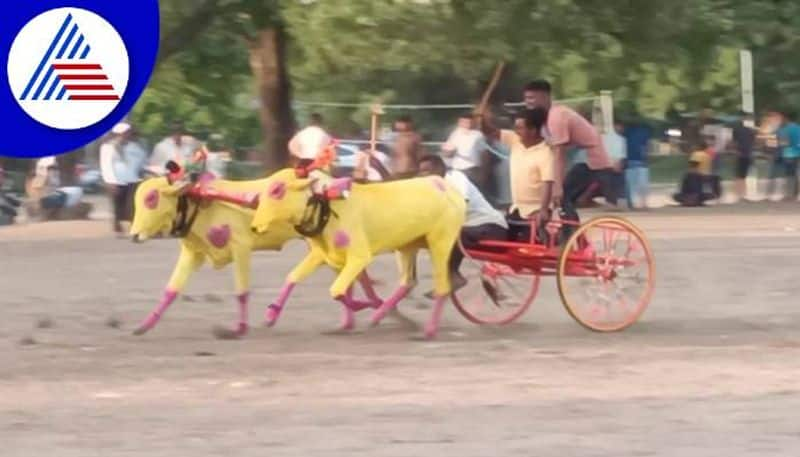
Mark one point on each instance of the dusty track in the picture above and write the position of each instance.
(711, 370)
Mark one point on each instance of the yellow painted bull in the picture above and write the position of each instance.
(401, 216)
(212, 218)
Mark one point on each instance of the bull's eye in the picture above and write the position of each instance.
(277, 190)
(151, 199)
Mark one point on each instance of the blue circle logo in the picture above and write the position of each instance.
(73, 71)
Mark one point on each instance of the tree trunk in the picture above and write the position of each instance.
(268, 63)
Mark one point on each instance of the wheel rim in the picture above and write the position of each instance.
(495, 294)
(606, 275)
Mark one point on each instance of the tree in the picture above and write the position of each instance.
(208, 53)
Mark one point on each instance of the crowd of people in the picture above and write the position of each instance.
(776, 138)
(554, 157)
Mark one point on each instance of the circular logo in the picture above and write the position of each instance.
(68, 68)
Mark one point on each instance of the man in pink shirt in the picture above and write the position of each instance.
(566, 129)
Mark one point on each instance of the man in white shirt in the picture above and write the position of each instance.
(310, 141)
(179, 147)
(483, 222)
(466, 148)
(116, 174)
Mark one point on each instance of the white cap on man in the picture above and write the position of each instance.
(120, 128)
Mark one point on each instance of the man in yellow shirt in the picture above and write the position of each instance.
(532, 172)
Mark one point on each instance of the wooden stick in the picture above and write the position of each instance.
(373, 137)
(489, 89)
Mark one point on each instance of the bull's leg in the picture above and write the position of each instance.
(188, 262)
(342, 287)
(406, 259)
(440, 247)
(368, 285)
(348, 311)
(304, 269)
(241, 263)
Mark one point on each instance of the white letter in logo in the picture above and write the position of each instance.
(68, 68)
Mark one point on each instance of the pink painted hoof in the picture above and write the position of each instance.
(347, 325)
(224, 333)
(272, 315)
(147, 325)
(431, 332)
(376, 318)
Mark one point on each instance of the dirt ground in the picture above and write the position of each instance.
(712, 368)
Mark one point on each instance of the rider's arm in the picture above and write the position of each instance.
(449, 147)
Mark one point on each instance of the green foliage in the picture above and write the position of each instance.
(655, 56)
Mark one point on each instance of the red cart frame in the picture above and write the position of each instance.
(605, 274)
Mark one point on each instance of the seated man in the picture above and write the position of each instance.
(692, 187)
(482, 223)
(532, 169)
(48, 200)
(706, 157)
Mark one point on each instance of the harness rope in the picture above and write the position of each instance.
(183, 222)
(315, 217)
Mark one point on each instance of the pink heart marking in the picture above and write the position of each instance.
(151, 199)
(219, 235)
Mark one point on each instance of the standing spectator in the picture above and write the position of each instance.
(637, 173)
(179, 147)
(406, 149)
(310, 141)
(566, 128)
(789, 140)
(768, 135)
(116, 174)
(617, 149)
(467, 151)
(744, 137)
(135, 157)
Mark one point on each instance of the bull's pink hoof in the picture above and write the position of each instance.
(272, 315)
(347, 325)
(147, 325)
(376, 318)
(430, 332)
(224, 333)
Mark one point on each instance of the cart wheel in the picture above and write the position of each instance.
(606, 274)
(495, 293)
